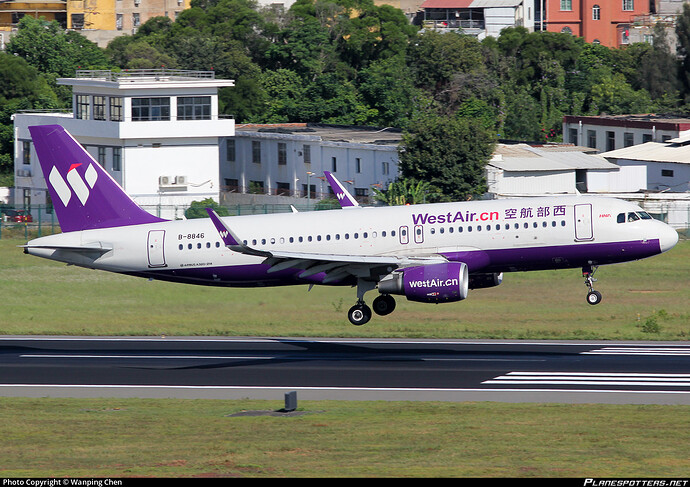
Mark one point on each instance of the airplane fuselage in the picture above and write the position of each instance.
(489, 236)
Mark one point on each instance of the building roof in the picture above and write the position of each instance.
(647, 121)
(653, 152)
(470, 3)
(523, 158)
(331, 133)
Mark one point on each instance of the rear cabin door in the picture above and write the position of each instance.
(156, 247)
(583, 222)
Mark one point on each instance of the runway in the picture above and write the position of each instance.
(346, 369)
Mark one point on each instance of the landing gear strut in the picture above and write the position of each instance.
(593, 297)
(360, 313)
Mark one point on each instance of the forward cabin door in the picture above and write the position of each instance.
(155, 246)
(583, 222)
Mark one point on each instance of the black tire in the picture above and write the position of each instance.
(359, 314)
(383, 305)
(594, 297)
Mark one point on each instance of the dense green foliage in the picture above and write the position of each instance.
(352, 62)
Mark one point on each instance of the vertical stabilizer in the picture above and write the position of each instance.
(84, 195)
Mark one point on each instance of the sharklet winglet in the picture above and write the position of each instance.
(344, 197)
(230, 239)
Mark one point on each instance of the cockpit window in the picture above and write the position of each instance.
(621, 218)
(632, 217)
(644, 215)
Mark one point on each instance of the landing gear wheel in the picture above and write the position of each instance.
(594, 297)
(383, 305)
(359, 314)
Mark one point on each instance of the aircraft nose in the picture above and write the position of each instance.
(668, 238)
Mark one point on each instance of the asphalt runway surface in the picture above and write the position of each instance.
(346, 369)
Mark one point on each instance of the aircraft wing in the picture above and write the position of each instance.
(336, 266)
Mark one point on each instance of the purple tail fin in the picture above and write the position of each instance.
(84, 195)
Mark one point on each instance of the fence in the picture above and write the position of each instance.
(43, 220)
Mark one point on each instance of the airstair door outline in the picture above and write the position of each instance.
(418, 234)
(403, 234)
(583, 222)
(156, 248)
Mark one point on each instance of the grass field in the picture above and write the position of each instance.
(643, 300)
(48, 437)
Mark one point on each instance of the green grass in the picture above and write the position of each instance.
(200, 438)
(643, 300)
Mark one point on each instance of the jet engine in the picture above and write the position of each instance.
(434, 283)
(481, 281)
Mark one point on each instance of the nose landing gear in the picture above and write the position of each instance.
(593, 297)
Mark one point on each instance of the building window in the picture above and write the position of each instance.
(646, 138)
(99, 107)
(150, 109)
(116, 109)
(282, 154)
(596, 12)
(567, 30)
(358, 165)
(573, 136)
(283, 189)
(334, 164)
(230, 151)
(26, 152)
(77, 21)
(668, 173)
(610, 141)
(628, 139)
(118, 21)
(256, 152)
(101, 156)
(136, 20)
(307, 154)
(385, 168)
(592, 139)
(628, 5)
(117, 159)
(566, 4)
(194, 108)
(82, 108)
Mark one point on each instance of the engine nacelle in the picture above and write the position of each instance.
(434, 283)
(480, 281)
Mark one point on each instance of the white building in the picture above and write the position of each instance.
(523, 170)
(155, 131)
(289, 160)
(611, 132)
(480, 18)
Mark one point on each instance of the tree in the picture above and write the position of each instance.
(448, 153)
(403, 192)
(197, 209)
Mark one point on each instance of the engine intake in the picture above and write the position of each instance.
(434, 283)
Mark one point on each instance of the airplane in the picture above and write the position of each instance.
(430, 253)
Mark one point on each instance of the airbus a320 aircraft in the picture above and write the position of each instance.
(432, 253)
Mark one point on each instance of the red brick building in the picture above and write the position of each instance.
(607, 22)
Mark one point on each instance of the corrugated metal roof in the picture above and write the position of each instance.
(495, 3)
(522, 158)
(446, 4)
(653, 151)
(470, 3)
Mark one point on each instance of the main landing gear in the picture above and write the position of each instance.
(593, 297)
(360, 313)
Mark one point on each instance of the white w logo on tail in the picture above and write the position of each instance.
(77, 184)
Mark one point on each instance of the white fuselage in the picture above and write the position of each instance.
(489, 236)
